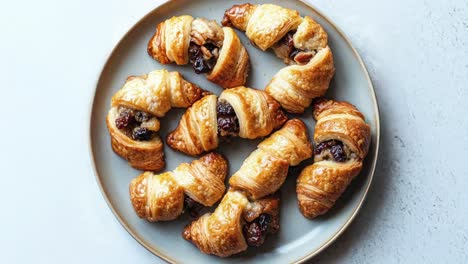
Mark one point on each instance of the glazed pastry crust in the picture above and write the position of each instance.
(233, 64)
(342, 121)
(171, 42)
(310, 35)
(197, 130)
(295, 86)
(269, 23)
(265, 170)
(161, 197)
(203, 179)
(322, 183)
(155, 93)
(220, 233)
(258, 113)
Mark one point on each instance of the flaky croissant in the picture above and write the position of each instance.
(299, 41)
(240, 111)
(266, 168)
(133, 118)
(234, 224)
(206, 45)
(161, 197)
(342, 140)
(237, 222)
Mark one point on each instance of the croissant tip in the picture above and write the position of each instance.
(186, 234)
(226, 22)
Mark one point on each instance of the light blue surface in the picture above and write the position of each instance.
(52, 211)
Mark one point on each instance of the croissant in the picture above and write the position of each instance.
(163, 197)
(240, 111)
(133, 120)
(266, 168)
(237, 222)
(298, 41)
(209, 47)
(342, 140)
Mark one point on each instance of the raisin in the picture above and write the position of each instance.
(210, 46)
(253, 234)
(200, 65)
(141, 117)
(192, 207)
(196, 58)
(224, 108)
(264, 222)
(338, 153)
(228, 124)
(194, 52)
(336, 149)
(125, 119)
(141, 134)
(322, 146)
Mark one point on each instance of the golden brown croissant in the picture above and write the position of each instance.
(298, 41)
(342, 140)
(234, 225)
(163, 197)
(266, 168)
(133, 118)
(240, 111)
(237, 222)
(209, 47)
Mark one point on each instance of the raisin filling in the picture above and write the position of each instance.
(228, 124)
(286, 50)
(192, 207)
(203, 58)
(333, 149)
(256, 231)
(137, 125)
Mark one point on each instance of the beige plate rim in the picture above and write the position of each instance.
(155, 251)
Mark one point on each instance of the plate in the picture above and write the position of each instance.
(298, 238)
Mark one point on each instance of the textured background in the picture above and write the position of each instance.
(52, 211)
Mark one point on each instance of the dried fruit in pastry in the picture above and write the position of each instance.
(241, 111)
(342, 140)
(206, 45)
(250, 209)
(133, 120)
(234, 225)
(165, 196)
(298, 41)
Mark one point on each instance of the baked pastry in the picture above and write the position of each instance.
(240, 111)
(266, 168)
(250, 209)
(342, 140)
(133, 119)
(165, 196)
(234, 225)
(298, 41)
(209, 47)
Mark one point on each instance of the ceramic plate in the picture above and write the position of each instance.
(299, 238)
